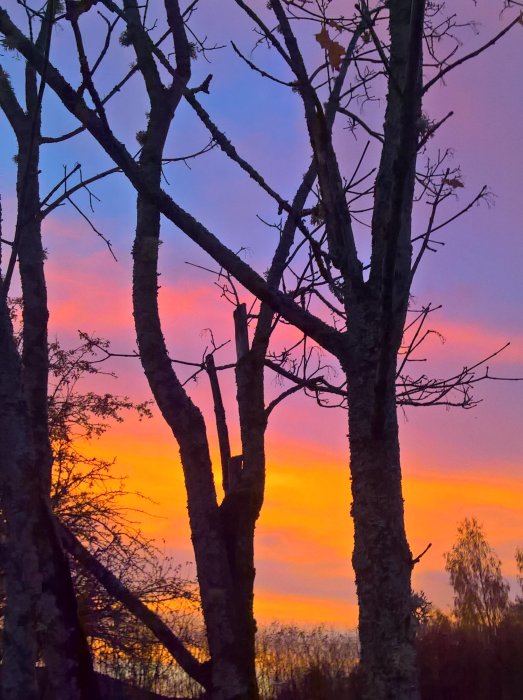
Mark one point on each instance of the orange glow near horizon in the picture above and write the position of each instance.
(304, 536)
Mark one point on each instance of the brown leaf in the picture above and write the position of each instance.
(453, 182)
(335, 50)
(323, 38)
(335, 53)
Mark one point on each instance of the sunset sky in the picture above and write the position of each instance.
(456, 463)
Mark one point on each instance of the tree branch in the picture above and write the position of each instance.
(194, 668)
(470, 55)
(322, 333)
(221, 421)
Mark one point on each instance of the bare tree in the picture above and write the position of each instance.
(39, 588)
(386, 42)
(230, 526)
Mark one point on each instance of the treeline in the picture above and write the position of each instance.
(473, 653)
(455, 663)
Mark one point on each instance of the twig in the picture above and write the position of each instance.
(417, 559)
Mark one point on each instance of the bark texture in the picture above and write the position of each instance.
(53, 612)
(22, 574)
(222, 536)
(382, 560)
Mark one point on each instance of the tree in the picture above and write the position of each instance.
(371, 300)
(88, 499)
(480, 591)
(231, 527)
(38, 586)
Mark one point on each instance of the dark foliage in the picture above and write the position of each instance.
(458, 663)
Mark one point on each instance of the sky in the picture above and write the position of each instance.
(455, 463)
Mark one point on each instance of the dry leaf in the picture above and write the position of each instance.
(323, 38)
(335, 51)
(453, 182)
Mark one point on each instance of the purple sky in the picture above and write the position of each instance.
(455, 463)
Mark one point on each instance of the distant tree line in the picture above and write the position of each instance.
(477, 652)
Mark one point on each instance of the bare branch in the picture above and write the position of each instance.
(471, 55)
(151, 620)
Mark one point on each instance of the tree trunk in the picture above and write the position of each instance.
(22, 576)
(35, 363)
(38, 586)
(229, 680)
(243, 500)
(381, 558)
(222, 537)
(27, 483)
(232, 670)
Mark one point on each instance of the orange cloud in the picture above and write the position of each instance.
(304, 536)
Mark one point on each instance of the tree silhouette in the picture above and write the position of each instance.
(368, 300)
(480, 591)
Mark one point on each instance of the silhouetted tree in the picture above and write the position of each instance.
(368, 302)
(38, 586)
(480, 591)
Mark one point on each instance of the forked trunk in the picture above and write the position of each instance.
(221, 535)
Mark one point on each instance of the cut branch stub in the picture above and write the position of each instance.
(235, 470)
(221, 422)
(241, 332)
